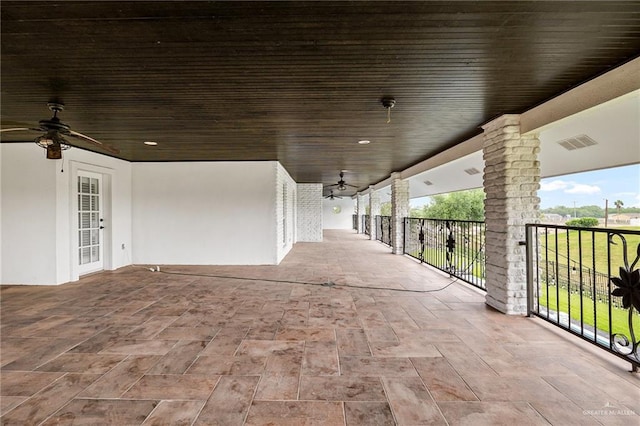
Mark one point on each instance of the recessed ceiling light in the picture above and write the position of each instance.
(364, 142)
(151, 143)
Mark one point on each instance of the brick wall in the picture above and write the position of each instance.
(286, 200)
(399, 210)
(360, 210)
(511, 182)
(374, 210)
(309, 214)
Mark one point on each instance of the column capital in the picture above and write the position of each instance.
(396, 175)
(501, 121)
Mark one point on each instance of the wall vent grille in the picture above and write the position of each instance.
(577, 142)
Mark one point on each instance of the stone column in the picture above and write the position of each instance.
(511, 182)
(360, 211)
(399, 210)
(374, 210)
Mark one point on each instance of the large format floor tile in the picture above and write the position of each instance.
(258, 345)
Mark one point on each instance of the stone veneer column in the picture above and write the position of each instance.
(374, 210)
(360, 210)
(309, 212)
(399, 210)
(511, 182)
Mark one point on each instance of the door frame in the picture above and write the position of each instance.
(106, 175)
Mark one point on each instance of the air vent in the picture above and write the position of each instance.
(428, 182)
(472, 171)
(577, 142)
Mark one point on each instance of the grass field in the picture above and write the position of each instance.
(619, 317)
(461, 259)
(586, 246)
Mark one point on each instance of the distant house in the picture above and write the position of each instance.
(552, 218)
(625, 218)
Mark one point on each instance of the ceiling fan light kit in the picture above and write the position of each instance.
(341, 185)
(54, 131)
(53, 143)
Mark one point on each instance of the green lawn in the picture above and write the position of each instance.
(461, 260)
(569, 246)
(619, 317)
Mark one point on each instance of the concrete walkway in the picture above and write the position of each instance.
(272, 345)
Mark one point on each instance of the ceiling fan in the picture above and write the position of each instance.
(53, 139)
(331, 196)
(341, 185)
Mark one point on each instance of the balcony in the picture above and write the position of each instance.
(341, 332)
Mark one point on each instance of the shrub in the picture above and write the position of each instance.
(583, 222)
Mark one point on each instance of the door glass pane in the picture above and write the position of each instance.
(95, 253)
(85, 255)
(84, 184)
(94, 186)
(85, 220)
(94, 220)
(85, 202)
(85, 238)
(89, 241)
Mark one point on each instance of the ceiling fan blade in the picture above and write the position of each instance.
(18, 129)
(329, 186)
(93, 141)
(81, 136)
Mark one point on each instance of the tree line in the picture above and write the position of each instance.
(460, 205)
(469, 205)
(590, 211)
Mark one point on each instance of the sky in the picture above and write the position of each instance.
(592, 188)
(585, 189)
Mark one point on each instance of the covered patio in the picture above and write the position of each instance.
(297, 343)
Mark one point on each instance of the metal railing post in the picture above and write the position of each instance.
(529, 266)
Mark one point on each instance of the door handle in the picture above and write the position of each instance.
(101, 227)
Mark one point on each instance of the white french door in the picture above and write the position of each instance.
(90, 223)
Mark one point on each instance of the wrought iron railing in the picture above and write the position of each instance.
(365, 224)
(587, 281)
(383, 229)
(453, 246)
(354, 222)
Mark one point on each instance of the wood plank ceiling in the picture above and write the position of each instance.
(299, 82)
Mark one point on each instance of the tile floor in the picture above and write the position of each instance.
(141, 347)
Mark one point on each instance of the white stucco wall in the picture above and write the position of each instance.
(155, 213)
(342, 220)
(220, 213)
(28, 215)
(37, 225)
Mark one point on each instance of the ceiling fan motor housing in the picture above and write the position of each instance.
(54, 122)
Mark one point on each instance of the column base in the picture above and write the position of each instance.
(515, 308)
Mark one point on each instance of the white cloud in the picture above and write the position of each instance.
(579, 188)
(554, 185)
(569, 187)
